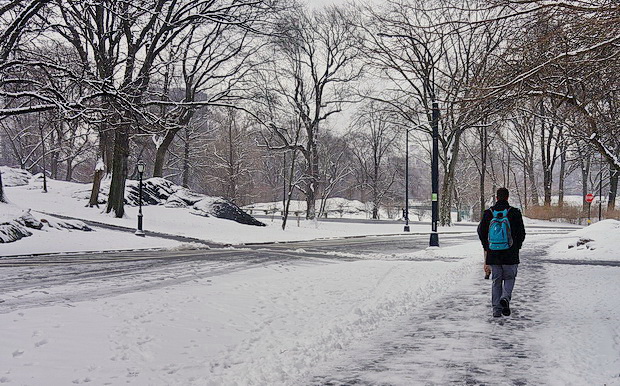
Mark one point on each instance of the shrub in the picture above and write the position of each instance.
(565, 213)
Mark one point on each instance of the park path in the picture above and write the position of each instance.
(455, 340)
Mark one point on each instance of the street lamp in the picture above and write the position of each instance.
(139, 232)
(406, 181)
(426, 57)
(434, 241)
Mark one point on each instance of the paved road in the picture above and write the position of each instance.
(51, 279)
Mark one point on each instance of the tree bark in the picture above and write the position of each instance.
(94, 193)
(162, 150)
(312, 184)
(447, 188)
(585, 172)
(484, 138)
(562, 178)
(2, 197)
(116, 197)
(106, 154)
(532, 181)
(186, 159)
(69, 171)
(613, 188)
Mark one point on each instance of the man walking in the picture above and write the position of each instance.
(502, 233)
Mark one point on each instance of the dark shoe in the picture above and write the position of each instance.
(497, 314)
(505, 306)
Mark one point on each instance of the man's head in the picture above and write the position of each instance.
(502, 194)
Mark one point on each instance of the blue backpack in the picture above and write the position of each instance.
(500, 237)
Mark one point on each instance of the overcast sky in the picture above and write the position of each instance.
(320, 3)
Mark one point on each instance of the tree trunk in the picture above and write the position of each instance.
(483, 169)
(375, 190)
(545, 158)
(69, 173)
(585, 172)
(116, 197)
(2, 197)
(532, 181)
(310, 200)
(186, 160)
(162, 150)
(232, 180)
(105, 147)
(613, 188)
(561, 178)
(289, 195)
(445, 216)
(94, 193)
(457, 204)
(312, 185)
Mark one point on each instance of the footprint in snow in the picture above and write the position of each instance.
(40, 343)
(18, 353)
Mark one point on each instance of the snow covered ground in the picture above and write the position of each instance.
(300, 318)
(69, 199)
(599, 241)
(265, 325)
(288, 322)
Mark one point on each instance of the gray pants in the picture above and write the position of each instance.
(503, 282)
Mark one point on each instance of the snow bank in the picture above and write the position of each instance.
(14, 177)
(155, 191)
(14, 227)
(600, 241)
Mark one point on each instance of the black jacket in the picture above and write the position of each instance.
(517, 229)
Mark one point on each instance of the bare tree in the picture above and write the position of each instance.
(129, 38)
(308, 80)
(372, 141)
(213, 62)
(230, 155)
(427, 60)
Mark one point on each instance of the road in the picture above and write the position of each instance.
(50, 279)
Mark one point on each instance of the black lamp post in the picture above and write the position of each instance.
(406, 181)
(141, 165)
(600, 192)
(425, 56)
(434, 241)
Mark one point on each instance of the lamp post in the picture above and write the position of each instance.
(600, 191)
(434, 241)
(139, 232)
(406, 181)
(426, 58)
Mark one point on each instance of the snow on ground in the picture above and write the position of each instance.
(261, 326)
(64, 198)
(277, 323)
(51, 240)
(583, 338)
(335, 207)
(599, 241)
(53, 237)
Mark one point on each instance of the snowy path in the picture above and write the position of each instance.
(454, 340)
